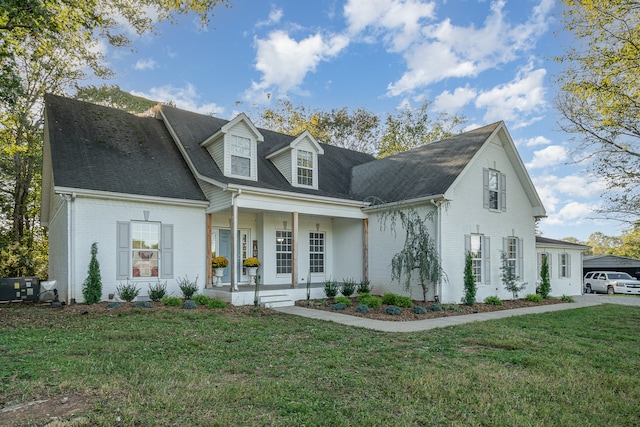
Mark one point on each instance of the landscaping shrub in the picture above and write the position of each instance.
(330, 288)
(201, 299)
(114, 305)
(418, 309)
(127, 291)
(188, 287)
(402, 301)
(493, 300)
(92, 286)
(534, 298)
(142, 304)
(189, 304)
(393, 310)
(470, 288)
(216, 303)
(364, 287)
(370, 301)
(339, 306)
(544, 288)
(435, 307)
(566, 298)
(389, 298)
(348, 287)
(172, 301)
(361, 308)
(157, 291)
(344, 300)
(453, 307)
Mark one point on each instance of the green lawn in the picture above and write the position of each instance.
(151, 368)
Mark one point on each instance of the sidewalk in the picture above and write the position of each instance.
(423, 325)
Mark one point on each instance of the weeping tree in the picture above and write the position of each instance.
(419, 255)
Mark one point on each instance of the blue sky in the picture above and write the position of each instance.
(488, 60)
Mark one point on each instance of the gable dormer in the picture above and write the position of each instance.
(298, 161)
(234, 148)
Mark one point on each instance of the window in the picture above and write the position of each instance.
(495, 190)
(283, 251)
(145, 249)
(564, 265)
(316, 252)
(478, 246)
(512, 246)
(305, 167)
(240, 156)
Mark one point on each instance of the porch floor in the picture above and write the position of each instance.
(276, 295)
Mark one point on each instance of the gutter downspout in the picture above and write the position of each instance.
(71, 286)
(438, 205)
(234, 233)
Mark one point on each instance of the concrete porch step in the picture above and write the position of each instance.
(272, 301)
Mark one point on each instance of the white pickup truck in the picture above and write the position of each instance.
(611, 282)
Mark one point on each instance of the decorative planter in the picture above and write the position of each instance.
(252, 271)
(218, 272)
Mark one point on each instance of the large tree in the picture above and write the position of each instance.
(600, 96)
(48, 46)
(356, 130)
(412, 127)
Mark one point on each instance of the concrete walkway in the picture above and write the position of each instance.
(423, 325)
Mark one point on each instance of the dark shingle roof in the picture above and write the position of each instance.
(334, 166)
(428, 170)
(548, 241)
(105, 149)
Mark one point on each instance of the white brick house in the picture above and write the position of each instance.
(161, 195)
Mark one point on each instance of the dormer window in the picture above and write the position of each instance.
(240, 156)
(305, 168)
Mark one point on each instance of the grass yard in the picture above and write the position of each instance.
(261, 368)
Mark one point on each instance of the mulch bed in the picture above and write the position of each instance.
(407, 314)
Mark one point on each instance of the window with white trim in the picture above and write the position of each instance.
(478, 246)
(283, 251)
(316, 252)
(476, 257)
(512, 247)
(145, 249)
(240, 156)
(305, 167)
(564, 265)
(495, 190)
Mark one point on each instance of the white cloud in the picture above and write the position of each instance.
(533, 142)
(548, 156)
(452, 102)
(284, 62)
(399, 21)
(517, 100)
(185, 98)
(443, 50)
(145, 64)
(274, 17)
(573, 213)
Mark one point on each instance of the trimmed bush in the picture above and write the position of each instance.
(493, 300)
(453, 307)
(216, 303)
(393, 310)
(189, 304)
(389, 298)
(157, 291)
(127, 291)
(330, 288)
(534, 298)
(348, 287)
(187, 287)
(339, 306)
(402, 301)
(92, 286)
(142, 304)
(370, 301)
(364, 287)
(566, 298)
(114, 305)
(172, 301)
(361, 308)
(418, 309)
(344, 300)
(201, 299)
(435, 307)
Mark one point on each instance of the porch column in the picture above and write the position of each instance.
(365, 249)
(209, 282)
(294, 249)
(233, 223)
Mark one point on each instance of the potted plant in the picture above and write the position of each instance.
(218, 264)
(252, 265)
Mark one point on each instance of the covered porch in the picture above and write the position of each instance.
(268, 296)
